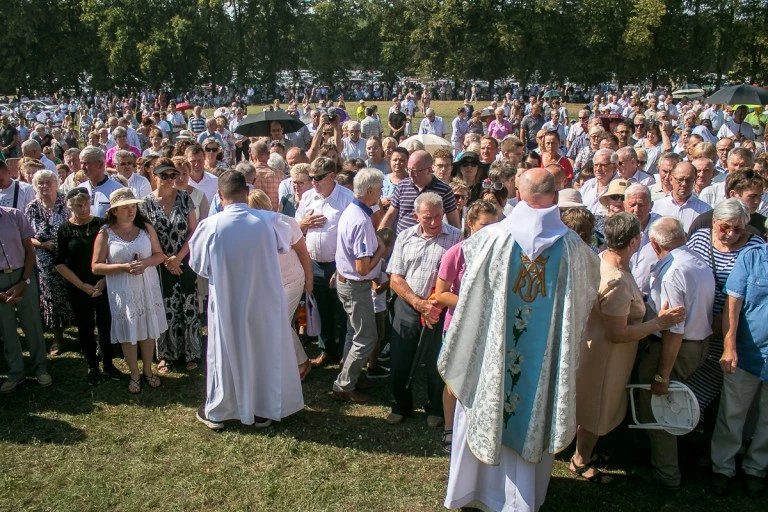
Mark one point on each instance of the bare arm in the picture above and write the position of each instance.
(363, 266)
(389, 218)
(731, 312)
(443, 294)
(306, 263)
(670, 346)
(99, 265)
(620, 332)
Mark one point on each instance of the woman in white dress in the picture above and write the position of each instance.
(126, 252)
(295, 272)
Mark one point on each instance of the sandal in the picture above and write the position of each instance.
(163, 368)
(55, 348)
(152, 379)
(445, 442)
(134, 386)
(191, 365)
(598, 477)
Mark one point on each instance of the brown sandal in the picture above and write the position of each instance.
(598, 477)
(152, 380)
(134, 386)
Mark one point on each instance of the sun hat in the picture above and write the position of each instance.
(160, 169)
(616, 187)
(185, 135)
(569, 198)
(122, 197)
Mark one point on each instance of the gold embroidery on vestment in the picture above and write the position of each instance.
(531, 278)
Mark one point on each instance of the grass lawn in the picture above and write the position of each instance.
(73, 447)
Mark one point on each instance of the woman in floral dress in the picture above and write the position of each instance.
(172, 213)
(46, 213)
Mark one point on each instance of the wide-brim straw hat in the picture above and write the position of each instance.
(122, 197)
(616, 187)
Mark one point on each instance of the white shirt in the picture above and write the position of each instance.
(48, 163)
(704, 133)
(642, 178)
(687, 212)
(683, 279)
(133, 138)
(209, 184)
(716, 116)
(353, 149)
(321, 241)
(591, 198)
(436, 127)
(26, 196)
(731, 129)
(641, 262)
(140, 185)
(713, 194)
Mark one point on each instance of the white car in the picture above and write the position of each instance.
(39, 104)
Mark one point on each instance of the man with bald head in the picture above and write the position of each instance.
(420, 179)
(682, 203)
(518, 285)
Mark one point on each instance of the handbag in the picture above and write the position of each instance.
(313, 316)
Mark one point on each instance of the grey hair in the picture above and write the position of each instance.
(626, 152)
(30, 144)
(123, 153)
(247, 170)
(44, 174)
(729, 210)
(620, 229)
(668, 232)
(277, 163)
(119, 132)
(743, 153)
(353, 125)
(72, 151)
(672, 157)
(367, 178)
(611, 154)
(637, 188)
(427, 199)
(413, 145)
(93, 152)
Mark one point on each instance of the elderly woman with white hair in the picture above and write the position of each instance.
(46, 213)
(120, 135)
(719, 246)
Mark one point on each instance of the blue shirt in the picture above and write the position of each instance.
(100, 195)
(749, 282)
(356, 240)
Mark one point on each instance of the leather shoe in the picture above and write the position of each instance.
(434, 421)
(755, 486)
(394, 418)
(721, 484)
(321, 360)
(354, 397)
(10, 385)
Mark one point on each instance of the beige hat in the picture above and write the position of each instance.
(569, 198)
(616, 187)
(122, 197)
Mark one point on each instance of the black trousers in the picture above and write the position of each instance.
(91, 313)
(333, 318)
(406, 330)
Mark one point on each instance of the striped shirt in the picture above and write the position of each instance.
(406, 193)
(417, 259)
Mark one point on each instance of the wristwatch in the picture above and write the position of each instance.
(661, 380)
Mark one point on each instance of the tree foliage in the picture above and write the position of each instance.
(46, 46)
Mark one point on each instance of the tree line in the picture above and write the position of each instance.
(50, 45)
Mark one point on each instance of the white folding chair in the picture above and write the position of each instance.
(677, 412)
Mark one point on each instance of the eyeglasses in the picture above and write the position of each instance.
(166, 177)
(318, 177)
(460, 197)
(682, 181)
(211, 150)
(469, 163)
(725, 228)
(300, 183)
(615, 197)
(495, 185)
(327, 133)
(418, 171)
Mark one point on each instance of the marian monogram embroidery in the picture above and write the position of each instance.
(530, 280)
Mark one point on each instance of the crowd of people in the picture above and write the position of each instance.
(534, 264)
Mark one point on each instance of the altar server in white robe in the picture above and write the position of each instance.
(252, 373)
(511, 353)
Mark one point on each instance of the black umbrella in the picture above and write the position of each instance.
(257, 125)
(428, 340)
(743, 94)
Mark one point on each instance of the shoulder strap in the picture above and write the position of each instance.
(15, 193)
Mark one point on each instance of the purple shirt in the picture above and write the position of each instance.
(356, 240)
(452, 268)
(14, 230)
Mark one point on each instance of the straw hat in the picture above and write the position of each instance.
(122, 197)
(616, 187)
(569, 198)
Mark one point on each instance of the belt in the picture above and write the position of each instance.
(653, 337)
(10, 270)
(344, 280)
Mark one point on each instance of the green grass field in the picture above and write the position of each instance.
(71, 447)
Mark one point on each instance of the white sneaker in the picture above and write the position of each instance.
(201, 417)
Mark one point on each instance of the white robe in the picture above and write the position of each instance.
(251, 364)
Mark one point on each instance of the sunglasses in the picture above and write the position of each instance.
(211, 150)
(495, 185)
(460, 197)
(318, 177)
(166, 177)
(469, 163)
(327, 133)
(615, 197)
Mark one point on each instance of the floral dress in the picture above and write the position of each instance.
(182, 339)
(54, 299)
(228, 147)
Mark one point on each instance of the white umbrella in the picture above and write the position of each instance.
(430, 142)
